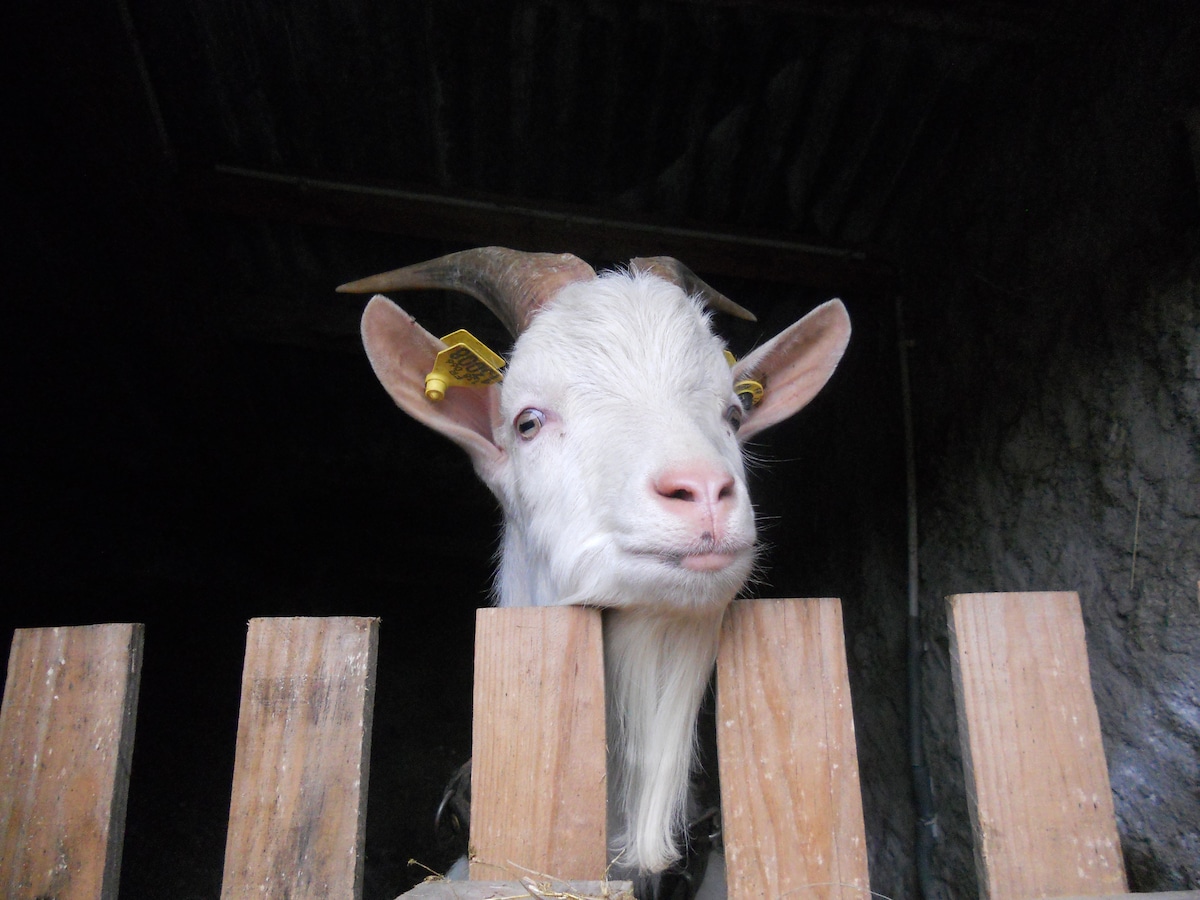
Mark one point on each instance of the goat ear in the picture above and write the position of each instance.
(402, 353)
(794, 365)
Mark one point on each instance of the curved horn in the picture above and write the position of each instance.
(511, 283)
(672, 270)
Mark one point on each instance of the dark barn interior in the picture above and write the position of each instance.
(193, 436)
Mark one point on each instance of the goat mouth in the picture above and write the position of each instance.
(702, 559)
(708, 562)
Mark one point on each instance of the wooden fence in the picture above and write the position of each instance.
(1039, 796)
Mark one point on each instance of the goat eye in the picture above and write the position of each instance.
(529, 422)
(734, 416)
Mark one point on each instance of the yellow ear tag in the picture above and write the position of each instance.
(467, 362)
(750, 392)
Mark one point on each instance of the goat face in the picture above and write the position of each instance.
(613, 444)
(623, 482)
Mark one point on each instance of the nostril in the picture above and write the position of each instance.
(696, 484)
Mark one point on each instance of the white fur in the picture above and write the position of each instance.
(632, 381)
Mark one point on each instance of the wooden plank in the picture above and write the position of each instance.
(1037, 782)
(532, 888)
(790, 801)
(538, 765)
(298, 809)
(66, 740)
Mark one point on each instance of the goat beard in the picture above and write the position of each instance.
(657, 669)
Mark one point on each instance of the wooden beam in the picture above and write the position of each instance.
(298, 809)
(1037, 782)
(990, 22)
(481, 220)
(66, 742)
(538, 768)
(790, 800)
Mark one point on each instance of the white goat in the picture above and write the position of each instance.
(613, 445)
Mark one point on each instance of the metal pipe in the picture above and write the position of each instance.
(922, 783)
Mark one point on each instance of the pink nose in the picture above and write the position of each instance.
(700, 493)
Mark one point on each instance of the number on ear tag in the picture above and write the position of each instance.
(467, 362)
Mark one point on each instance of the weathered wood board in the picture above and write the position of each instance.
(66, 741)
(531, 889)
(538, 782)
(790, 801)
(1037, 781)
(298, 808)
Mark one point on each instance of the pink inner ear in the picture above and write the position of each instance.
(402, 353)
(473, 412)
(795, 365)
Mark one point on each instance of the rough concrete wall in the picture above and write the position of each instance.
(1103, 457)
(1057, 376)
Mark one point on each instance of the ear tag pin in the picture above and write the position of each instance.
(750, 392)
(467, 362)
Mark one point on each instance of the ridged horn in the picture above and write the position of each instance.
(677, 273)
(513, 284)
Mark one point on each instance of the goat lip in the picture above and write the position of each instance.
(699, 560)
(708, 562)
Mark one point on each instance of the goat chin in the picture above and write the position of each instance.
(657, 668)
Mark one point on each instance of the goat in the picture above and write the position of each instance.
(613, 444)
